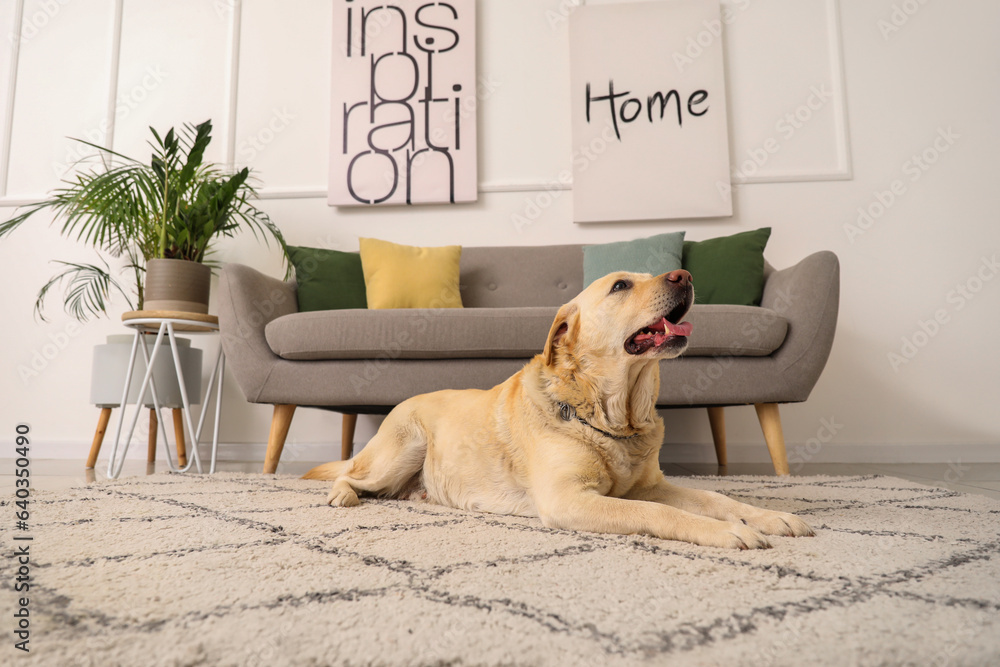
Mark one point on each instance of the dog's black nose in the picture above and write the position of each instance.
(679, 277)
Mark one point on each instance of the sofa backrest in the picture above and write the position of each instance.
(511, 276)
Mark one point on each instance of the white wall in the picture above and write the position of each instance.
(936, 74)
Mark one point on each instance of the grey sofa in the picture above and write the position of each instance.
(367, 361)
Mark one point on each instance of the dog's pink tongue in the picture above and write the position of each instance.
(659, 338)
(681, 329)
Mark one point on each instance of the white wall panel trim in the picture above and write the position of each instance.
(292, 193)
(8, 117)
(527, 186)
(233, 81)
(835, 63)
(114, 69)
(321, 193)
(14, 202)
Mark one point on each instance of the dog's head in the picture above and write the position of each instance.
(627, 316)
(603, 350)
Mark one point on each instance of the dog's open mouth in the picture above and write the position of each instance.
(658, 335)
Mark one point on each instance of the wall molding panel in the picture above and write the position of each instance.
(14, 46)
(233, 82)
(839, 167)
(822, 62)
(113, 74)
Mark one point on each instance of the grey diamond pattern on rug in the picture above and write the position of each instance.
(243, 569)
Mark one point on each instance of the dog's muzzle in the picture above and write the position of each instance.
(667, 332)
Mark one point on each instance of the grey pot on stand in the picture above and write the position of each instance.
(175, 289)
(177, 285)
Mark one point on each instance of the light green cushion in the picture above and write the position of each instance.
(328, 279)
(728, 269)
(656, 254)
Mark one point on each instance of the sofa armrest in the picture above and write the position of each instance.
(248, 301)
(808, 295)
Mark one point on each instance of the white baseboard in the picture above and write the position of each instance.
(671, 453)
(228, 451)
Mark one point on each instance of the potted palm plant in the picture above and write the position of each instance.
(149, 218)
(168, 209)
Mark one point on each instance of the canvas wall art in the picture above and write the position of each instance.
(403, 114)
(648, 111)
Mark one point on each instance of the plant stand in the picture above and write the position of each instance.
(109, 367)
(165, 324)
(102, 427)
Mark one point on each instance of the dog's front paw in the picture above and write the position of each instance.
(746, 537)
(342, 495)
(778, 523)
(732, 535)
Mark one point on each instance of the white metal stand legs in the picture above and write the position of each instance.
(164, 325)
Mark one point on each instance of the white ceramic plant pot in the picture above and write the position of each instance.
(107, 377)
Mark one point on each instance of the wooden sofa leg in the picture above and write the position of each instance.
(95, 446)
(280, 422)
(770, 424)
(347, 436)
(717, 420)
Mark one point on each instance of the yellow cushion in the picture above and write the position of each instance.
(402, 276)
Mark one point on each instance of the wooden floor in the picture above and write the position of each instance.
(979, 478)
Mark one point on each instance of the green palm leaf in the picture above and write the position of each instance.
(173, 207)
(88, 290)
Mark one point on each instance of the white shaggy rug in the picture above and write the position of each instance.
(238, 569)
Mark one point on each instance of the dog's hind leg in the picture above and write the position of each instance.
(329, 471)
(384, 466)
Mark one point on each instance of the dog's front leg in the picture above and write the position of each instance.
(718, 506)
(589, 511)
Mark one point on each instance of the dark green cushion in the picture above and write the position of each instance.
(328, 279)
(656, 254)
(728, 269)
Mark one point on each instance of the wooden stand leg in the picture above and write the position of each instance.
(95, 447)
(151, 447)
(770, 424)
(717, 420)
(179, 437)
(280, 422)
(347, 436)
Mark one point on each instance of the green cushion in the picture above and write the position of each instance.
(656, 254)
(328, 279)
(728, 269)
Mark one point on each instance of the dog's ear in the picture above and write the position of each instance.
(564, 330)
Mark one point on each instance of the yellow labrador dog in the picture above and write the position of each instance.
(572, 438)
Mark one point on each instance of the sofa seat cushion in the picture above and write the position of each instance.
(493, 333)
(735, 331)
(412, 333)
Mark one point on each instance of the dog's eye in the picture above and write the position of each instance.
(620, 285)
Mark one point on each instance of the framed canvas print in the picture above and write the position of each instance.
(650, 129)
(403, 113)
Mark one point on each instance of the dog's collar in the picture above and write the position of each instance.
(568, 413)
